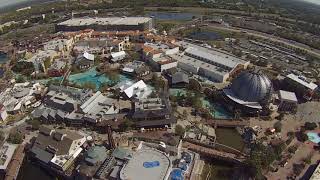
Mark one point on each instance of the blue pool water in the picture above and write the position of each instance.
(151, 164)
(176, 174)
(92, 76)
(313, 137)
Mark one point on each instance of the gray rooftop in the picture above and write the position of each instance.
(105, 21)
(96, 154)
(179, 77)
(288, 96)
(135, 170)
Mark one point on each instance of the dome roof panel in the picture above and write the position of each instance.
(252, 87)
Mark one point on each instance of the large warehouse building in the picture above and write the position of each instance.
(210, 63)
(107, 24)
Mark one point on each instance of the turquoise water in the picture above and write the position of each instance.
(313, 137)
(174, 92)
(89, 76)
(218, 111)
(92, 76)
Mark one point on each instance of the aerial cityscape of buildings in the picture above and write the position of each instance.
(118, 95)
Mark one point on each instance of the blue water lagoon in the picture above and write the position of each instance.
(313, 137)
(94, 77)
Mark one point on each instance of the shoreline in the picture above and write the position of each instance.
(17, 5)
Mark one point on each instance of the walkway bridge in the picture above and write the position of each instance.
(66, 75)
(229, 123)
(213, 152)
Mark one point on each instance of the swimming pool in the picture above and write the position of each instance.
(176, 174)
(313, 137)
(92, 76)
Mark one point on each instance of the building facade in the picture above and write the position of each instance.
(107, 24)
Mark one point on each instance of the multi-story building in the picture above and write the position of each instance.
(152, 112)
(6, 153)
(107, 24)
(301, 86)
(157, 55)
(288, 101)
(57, 149)
(73, 110)
(85, 60)
(59, 45)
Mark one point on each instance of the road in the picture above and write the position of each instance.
(286, 42)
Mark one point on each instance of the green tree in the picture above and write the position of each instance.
(23, 67)
(277, 126)
(35, 123)
(89, 85)
(15, 138)
(179, 130)
(194, 85)
(20, 79)
(126, 125)
(260, 158)
(114, 77)
(310, 125)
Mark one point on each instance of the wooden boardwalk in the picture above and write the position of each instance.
(227, 123)
(210, 152)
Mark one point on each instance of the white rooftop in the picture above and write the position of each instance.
(105, 21)
(6, 153)
(88, 56)
(135, 169)
(216, 57)
(288, 96)
(139, 89)
(118, 54)
(303, 81)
